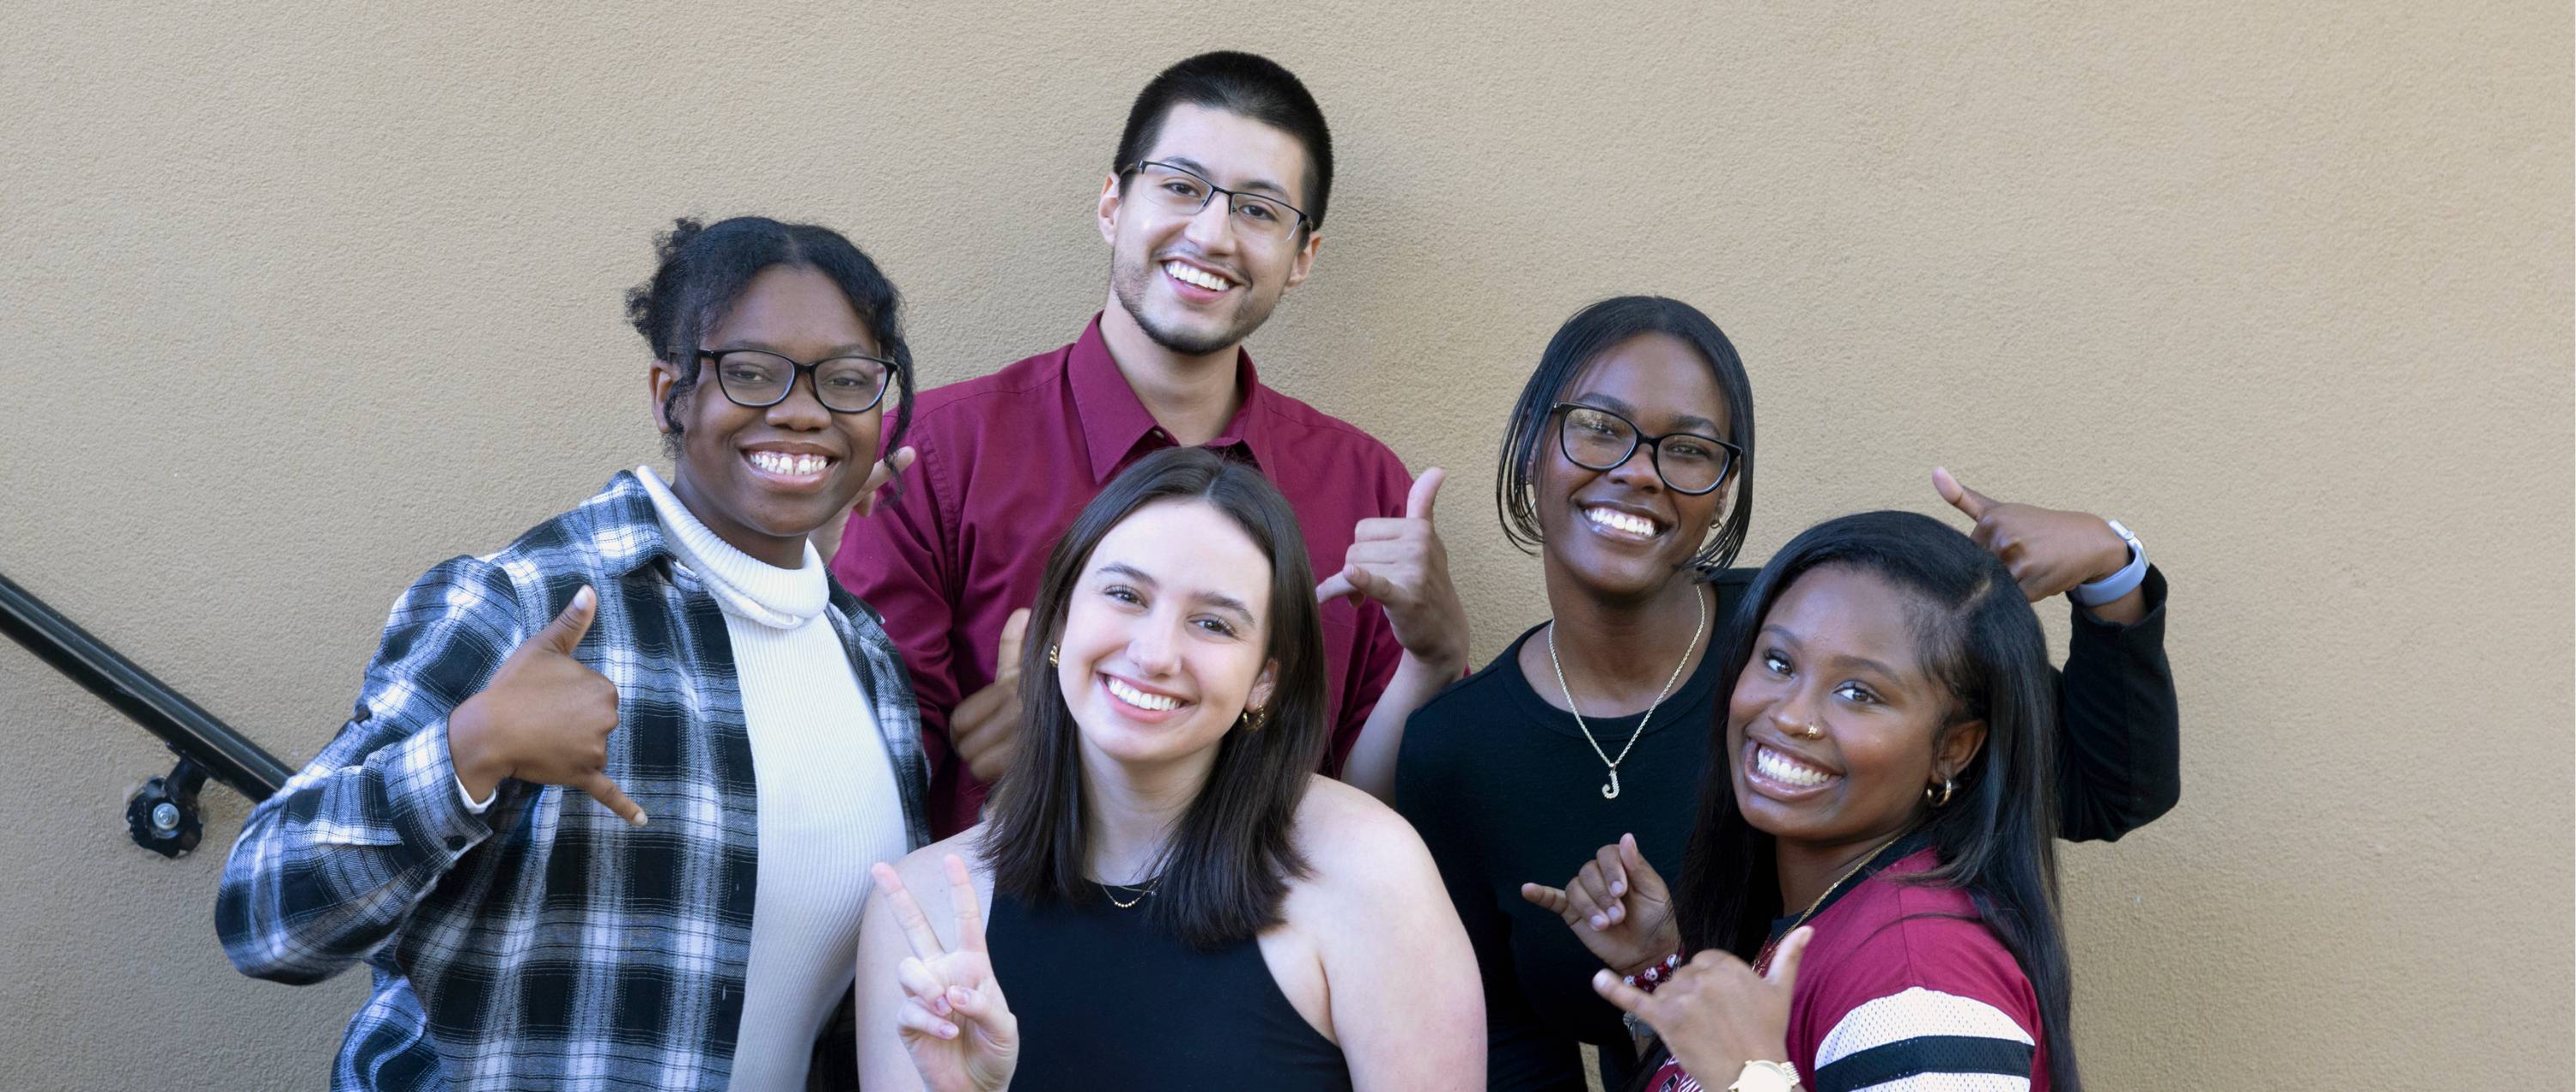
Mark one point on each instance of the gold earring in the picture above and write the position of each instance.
(1947, 786)
(1051, 660)
(1254, 718)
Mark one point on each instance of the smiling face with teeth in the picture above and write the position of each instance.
(1164, 641)
(1622, 533)
(1838, 651)
(1196, 285)
(762, 479)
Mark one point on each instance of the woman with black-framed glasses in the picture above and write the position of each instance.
(603, 816)
(1629, 469)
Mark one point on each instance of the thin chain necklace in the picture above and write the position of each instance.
(1762, 962)
(1110, 891)
(1610, 791)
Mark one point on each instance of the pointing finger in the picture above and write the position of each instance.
(1417, 501)
(916, 927)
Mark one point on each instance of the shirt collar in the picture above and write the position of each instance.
(1114, 421)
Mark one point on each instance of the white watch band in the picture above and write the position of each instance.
(2117, 584)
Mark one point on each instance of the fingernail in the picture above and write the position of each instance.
(1599, 923)
(947, 1031)
(1619, 888)
(939, 1005)
(639, 819)
(961, 994)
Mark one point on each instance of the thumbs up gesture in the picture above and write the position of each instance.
(544, 718)
(1402, 565)
(2048, 550)
(985, 728)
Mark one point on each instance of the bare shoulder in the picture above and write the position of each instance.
(925, 876)
(1353, 841)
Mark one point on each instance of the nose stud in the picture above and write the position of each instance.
(1812, 732)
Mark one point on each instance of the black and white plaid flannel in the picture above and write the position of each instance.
(544, 943)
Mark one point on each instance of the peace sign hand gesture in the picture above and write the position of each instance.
(954, 1021)
(1617, 906)
(1715, 1014)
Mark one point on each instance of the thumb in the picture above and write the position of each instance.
(606, 792)
(1784, 963)
(1417, 502)
(1015, 630)
(1966, 500)
(564, 633)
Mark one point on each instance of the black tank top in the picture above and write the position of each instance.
(1106, 1001)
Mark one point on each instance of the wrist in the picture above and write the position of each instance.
(1653, 972)
(469, 749)
(2122, 578)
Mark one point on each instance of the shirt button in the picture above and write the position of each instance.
(361, 715)
(455, 843)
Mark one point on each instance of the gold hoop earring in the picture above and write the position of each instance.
(1051, 660)
(1948, 785)
(1254, 718)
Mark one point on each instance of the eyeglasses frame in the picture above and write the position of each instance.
(1654, 446)
(811, 374)
(1303, 221)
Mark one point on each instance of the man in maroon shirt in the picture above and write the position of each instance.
(1212, 211)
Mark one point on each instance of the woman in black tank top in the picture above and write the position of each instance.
(1176, 900)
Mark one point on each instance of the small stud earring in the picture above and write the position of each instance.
(1051, 660)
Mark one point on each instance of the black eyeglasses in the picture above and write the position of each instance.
(759, 380)
(1597, 439)
(1184, 191)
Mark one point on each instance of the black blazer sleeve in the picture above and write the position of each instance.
(2119, 754)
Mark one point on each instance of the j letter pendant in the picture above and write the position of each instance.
(1611, 790)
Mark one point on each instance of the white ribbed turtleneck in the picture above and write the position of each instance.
(828, 803)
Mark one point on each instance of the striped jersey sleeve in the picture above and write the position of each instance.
(1925, 1040)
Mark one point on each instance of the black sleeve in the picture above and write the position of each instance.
(2119, 754)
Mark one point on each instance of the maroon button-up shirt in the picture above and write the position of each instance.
(1007, 461)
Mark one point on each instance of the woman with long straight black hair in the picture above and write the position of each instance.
(1871, 887)
(1628, 467)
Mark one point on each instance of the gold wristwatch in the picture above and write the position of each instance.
(1765, 1077)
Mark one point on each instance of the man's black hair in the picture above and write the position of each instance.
(1238, 83)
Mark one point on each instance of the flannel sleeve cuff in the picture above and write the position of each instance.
(422, 779)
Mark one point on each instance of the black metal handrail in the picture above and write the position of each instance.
(163, 814)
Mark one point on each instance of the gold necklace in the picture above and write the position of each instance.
(1610, 791)
(1107, 890)
(1762, 961)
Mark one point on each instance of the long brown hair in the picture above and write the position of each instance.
(1225, 871)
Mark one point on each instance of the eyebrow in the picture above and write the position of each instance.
(1856, 661)
(1217, 600)
(1688, 422)
(1202, 170)
(852, 349)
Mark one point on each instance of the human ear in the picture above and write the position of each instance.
(1263, 687)
(1956, 748)
(1305, 260)
(1110, 200)
(662, 376)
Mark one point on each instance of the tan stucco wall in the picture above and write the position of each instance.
(298, 301)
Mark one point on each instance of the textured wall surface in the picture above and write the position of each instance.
(300, 300)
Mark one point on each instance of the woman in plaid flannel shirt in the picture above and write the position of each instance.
(601, 816)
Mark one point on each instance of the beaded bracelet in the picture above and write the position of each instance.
(1656, 974)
